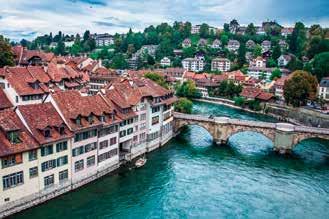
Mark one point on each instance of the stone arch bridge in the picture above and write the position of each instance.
(283, 135)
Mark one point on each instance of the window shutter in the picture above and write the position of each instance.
(18, 158)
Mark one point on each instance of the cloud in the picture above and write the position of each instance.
(75, 16)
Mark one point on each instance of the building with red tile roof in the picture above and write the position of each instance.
(44, 122)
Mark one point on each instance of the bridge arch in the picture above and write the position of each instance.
(264, 133)
(298, 138)
(179, 124)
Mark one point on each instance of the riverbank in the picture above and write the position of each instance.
(229, 103)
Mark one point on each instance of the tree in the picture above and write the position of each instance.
(295, 64)
(239, 101)
(271, 63)
(316, 46)
(60, 48)
(119, 62)
(224, 39)
(6, 55)
(184, 105)
(301, 87)
(242, 55)
(257, 51)
(226, 28)
(298, 39)
(204, 30)
(226, 89)
(321, 65)
(187, 89)
(234, 26)
(276, 52)
(276, 74)
(251, 29)
(159, 79)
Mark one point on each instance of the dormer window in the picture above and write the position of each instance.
(47, 133)
(102, 118)
(35, 85)
(78, 120)
(62, 130)
(13, 137)
(90, 119)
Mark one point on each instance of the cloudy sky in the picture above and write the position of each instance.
(29, 18)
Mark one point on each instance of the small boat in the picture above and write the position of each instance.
(140, 162)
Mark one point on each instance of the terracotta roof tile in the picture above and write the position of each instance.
(4, 101)
(9, 121)
(40, 117)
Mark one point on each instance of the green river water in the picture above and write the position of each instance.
(192, 178)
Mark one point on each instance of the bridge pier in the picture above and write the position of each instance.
(220, 141)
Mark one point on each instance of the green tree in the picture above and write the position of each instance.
(184, 105)
(276, 74)
(224, 39)
(226, 28)
(316, 46)
(295, 64)
(239, 101)
(301, 87)
(251, 29)
(276, 52)
(6, 55)
(204, 30)
(159, 79)
(187, 89)
(234, 26)
(298, 39)
(321, 65)
(242, 55)
(257, 51)
(271, 63)
(60, 48)
(119, 62)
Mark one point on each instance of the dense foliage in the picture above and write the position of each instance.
(184, 105)
(301, 87)
(187, 89)
(226, 89)
(6, 56)
(159, 79)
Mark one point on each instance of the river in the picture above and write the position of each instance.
(192, 178)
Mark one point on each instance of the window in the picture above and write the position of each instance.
(143, 117)
(62, 130)
(135, 138)
(62, 146)
(155, 120)
(130, 131)
(33, 172)
(63, 175)
(78, 151)
(102, 118)
(78, 165)
(155, 109)
(13, 180)
(107, 155)
(48, 165)
(90, 119)
(61, 161)
(47, 133)
(103, 144)
(33, 155)
(90, 147)
(16, 98)
(12, 160)
(13, 137)
(49, 180)
(143, 126)
(113, 141)
(46, 150)
(85, 135)
(142, 136)
(78, 120)
(123, 133)
(109, 130)
(91, 161)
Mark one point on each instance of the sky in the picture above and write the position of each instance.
(30, 18)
